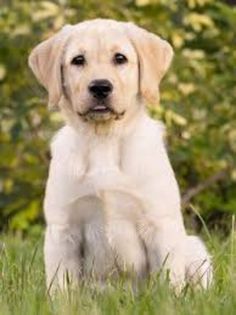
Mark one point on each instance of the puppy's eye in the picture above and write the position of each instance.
(78, 60)
(119, 59)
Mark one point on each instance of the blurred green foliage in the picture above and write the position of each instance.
(198, 100)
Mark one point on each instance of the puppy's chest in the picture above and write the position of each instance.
(103, 166)
(101, 157)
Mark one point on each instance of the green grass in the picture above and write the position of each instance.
(23, 292)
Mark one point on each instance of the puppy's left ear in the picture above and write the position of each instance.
(154, 55)
(45, 61)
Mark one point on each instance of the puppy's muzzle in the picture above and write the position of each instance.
(100, 108)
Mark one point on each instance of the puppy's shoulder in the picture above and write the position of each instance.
(63, 142)
(152, 130)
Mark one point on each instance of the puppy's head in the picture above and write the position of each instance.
(101, 69)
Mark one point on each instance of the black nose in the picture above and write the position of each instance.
(100, 88)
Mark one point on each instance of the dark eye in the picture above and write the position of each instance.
(119, 59)
(78, 60)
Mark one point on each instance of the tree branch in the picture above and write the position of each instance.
(192, 192)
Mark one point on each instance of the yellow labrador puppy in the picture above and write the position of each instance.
(112, 202)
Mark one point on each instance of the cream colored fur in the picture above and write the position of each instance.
(112, 202)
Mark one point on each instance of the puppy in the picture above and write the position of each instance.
(112, 203)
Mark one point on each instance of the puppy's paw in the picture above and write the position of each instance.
(199, 271)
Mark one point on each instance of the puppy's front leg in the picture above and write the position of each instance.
(121, 211)
(62, 255)
(165, 244)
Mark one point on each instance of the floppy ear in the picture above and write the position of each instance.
(154, 55)
(45, 61)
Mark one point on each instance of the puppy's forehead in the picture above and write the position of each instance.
(98, 35)
(100, 25)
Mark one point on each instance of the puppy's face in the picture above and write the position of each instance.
(99, 70)
(100, 73)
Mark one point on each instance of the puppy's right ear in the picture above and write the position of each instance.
(45, 61)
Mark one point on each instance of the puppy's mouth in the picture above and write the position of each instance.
(101, 109)
(101, 113)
